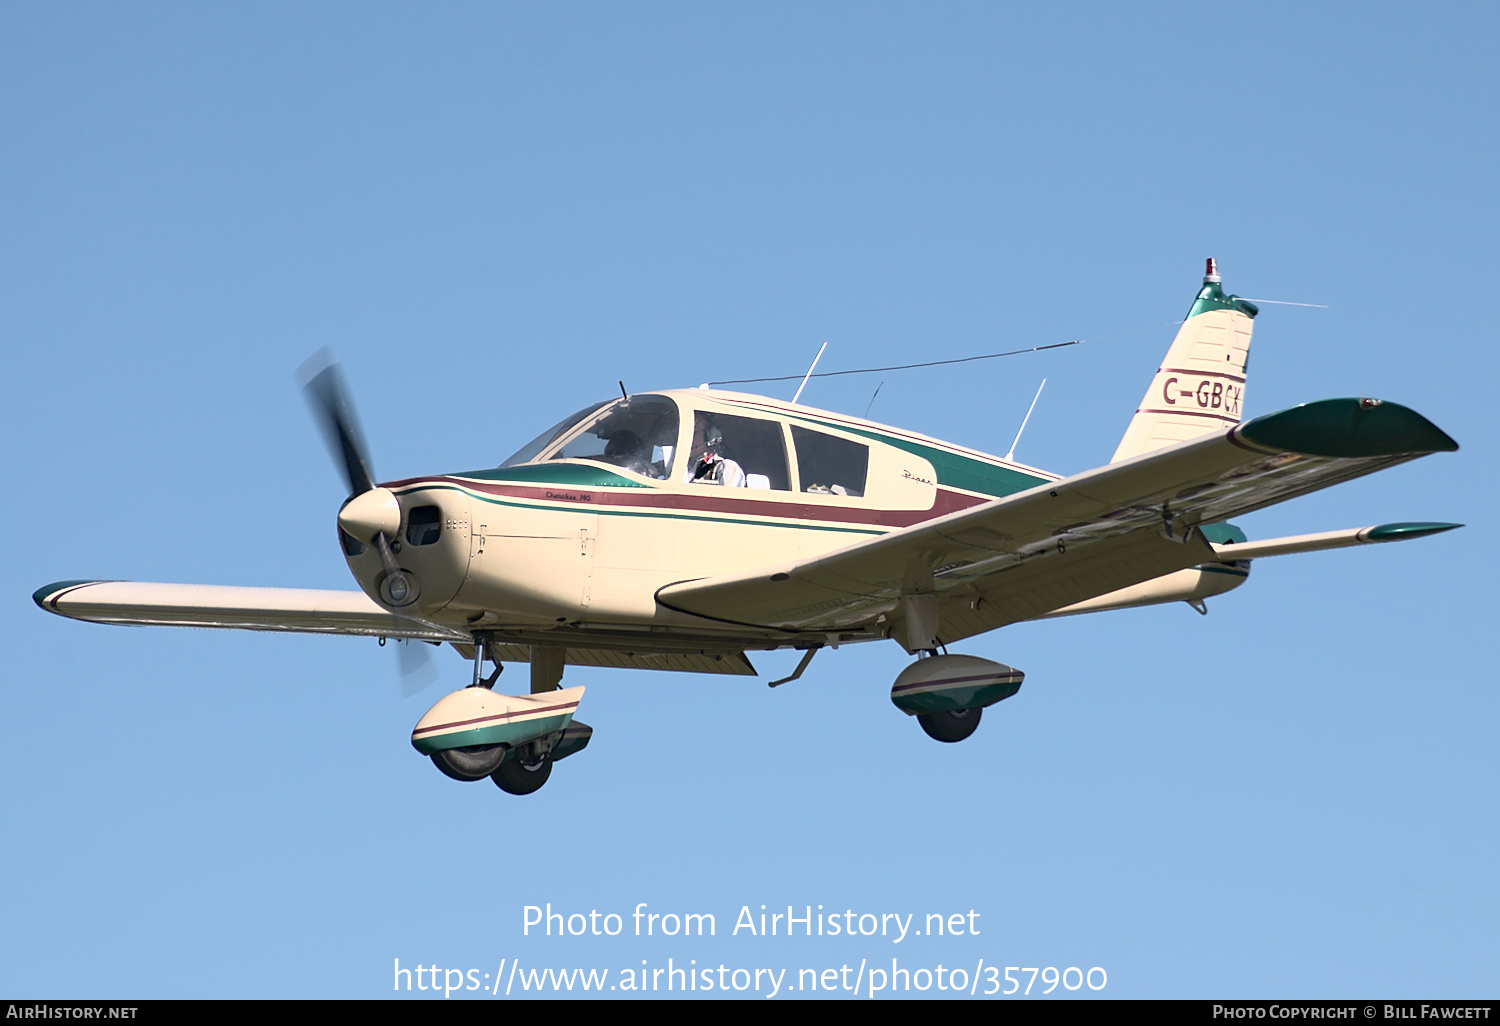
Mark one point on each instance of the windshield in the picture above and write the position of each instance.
(638, 434)
(528, 452)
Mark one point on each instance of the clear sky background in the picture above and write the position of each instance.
(493, 212)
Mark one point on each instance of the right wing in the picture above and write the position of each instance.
(297, 610)
(1062, 542)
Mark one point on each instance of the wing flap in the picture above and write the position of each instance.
(729, 663)
(1066, 541)
(297, 610)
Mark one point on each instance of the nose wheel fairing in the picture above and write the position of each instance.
(476, 717)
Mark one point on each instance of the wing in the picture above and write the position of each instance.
(1024, 555)
(296, 610)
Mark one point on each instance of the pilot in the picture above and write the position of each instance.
(707, 463)
(627, 451)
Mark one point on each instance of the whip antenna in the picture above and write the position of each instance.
(809, 373)
(1283, 302)
(1026, 418)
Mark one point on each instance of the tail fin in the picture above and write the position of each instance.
(1200, 386)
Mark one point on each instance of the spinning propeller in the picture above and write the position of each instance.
(371, 514)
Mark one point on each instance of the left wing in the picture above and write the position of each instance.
(1062, 542)
(297, 610)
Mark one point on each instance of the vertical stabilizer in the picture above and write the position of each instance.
(1200, 386)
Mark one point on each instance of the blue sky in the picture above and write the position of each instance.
(493, 212)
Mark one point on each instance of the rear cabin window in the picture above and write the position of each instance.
(830, 466)
(737, 452)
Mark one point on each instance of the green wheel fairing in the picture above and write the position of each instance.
(955, 698)
(494, 734)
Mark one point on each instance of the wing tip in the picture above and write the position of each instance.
(1347, 428)
(53, 591)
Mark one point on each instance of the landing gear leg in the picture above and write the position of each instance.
(484, 646)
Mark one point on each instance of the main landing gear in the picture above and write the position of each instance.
(948, 693)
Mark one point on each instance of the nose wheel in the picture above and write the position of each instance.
(469, 763)
(523, 774)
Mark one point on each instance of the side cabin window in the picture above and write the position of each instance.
(827, 465)
(737, 452)
(638, 434)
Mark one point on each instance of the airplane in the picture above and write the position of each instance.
(680, 529)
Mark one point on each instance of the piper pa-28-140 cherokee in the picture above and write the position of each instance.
(676, 530)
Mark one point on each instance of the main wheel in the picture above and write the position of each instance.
(518, 777)
(950, 726)
(474, 763)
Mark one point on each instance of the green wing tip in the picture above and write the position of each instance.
(1349, 429)
(46, 591)
(1400, 532)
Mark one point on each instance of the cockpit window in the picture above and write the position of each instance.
(528, 452)
(638, 434)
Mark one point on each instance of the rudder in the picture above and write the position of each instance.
(1200, 386)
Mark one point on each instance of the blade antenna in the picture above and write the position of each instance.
(809, 373)
(1026, 418)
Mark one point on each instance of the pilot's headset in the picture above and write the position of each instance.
(713, 442)
(713, 450)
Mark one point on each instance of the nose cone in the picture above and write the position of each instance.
(370, 513)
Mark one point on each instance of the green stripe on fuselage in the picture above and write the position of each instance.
(576, 474)
(666, 514)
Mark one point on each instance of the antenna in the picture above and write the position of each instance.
(872, 400)
(809, 374)
(1026, 418)
(1283, 302)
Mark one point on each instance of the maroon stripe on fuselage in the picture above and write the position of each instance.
(998, 678)
(706, 501)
